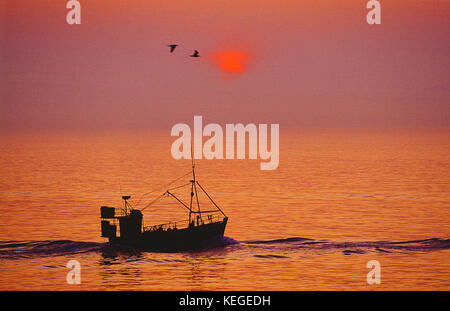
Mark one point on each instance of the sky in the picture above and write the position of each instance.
(300, 64)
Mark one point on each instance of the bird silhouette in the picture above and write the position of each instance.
(195, 54)
(172, 47)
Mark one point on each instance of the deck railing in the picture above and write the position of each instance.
(184, 223)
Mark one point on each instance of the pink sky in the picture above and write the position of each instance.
(311, 64)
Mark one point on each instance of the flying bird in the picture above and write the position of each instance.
(172, 47)
(195, 54)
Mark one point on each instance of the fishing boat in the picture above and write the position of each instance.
(202, 228)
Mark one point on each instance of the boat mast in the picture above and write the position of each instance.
(192, 184)
(194, 189)
(125, 199)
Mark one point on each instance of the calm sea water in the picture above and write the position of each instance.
(338, 200)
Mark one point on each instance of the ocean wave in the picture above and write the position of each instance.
(286, 240)
(274, 247)
(355, 247)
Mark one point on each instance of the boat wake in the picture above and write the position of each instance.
(276, 248)
(353, 247)
(33, 249)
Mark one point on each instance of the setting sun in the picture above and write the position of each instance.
(234, 61)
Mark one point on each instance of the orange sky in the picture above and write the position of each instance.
(297, 63)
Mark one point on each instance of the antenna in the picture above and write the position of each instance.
(125, 198)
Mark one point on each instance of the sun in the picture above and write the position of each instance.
(232, 61)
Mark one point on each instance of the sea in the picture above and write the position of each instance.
(339, 199)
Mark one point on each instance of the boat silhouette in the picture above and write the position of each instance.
(203, 228)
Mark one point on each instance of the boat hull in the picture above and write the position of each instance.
(190, 238)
